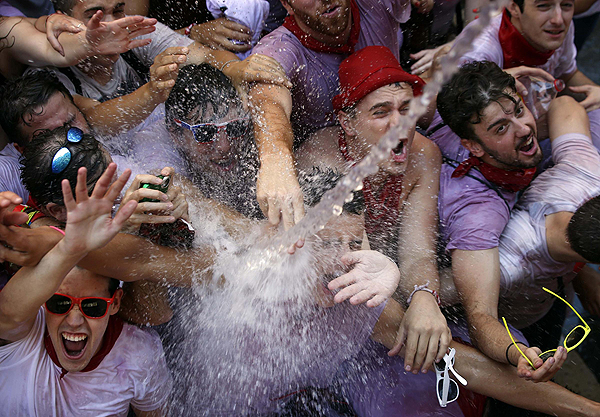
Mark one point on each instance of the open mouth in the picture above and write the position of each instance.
(529, 147)
(74, 344)
(399, 152)
(331, 11)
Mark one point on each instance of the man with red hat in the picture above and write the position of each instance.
(400, 200)
(314, 39)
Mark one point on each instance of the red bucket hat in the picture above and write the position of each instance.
(367, 70)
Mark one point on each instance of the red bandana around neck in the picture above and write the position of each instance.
(380, 213)
(318, 46)
(113, 331)
(512, 181)
(515, 48)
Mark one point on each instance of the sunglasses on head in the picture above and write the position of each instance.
(90, 307)
(573, 339)
(62, 157)
(207, 132)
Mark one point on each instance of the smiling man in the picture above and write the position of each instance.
(480, 104)
(63, 350)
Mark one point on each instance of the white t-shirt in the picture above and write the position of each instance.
(134, 372)
(125, 79)
(525, 263)
(487, 47)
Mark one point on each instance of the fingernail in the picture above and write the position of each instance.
(424, 370)
(164, 197)
(407, 368)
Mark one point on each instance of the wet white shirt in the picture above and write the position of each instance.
(525, 263)
(134, 372)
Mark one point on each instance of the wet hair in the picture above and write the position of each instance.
(464, 98)
(21, 96)
(196, 87)
(520, 4)
(583, 230)
(36, 172)
(65, 6)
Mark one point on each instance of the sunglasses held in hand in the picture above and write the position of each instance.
(573, 339)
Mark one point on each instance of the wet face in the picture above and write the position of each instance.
(507, 134)
(223, 157)
(76, 338)
(326, 17)
(374, 115)
(544, 23)
(58, 111)
(112, 10)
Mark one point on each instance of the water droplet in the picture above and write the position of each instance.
(349, 198)
(337, 210)
(359, 187)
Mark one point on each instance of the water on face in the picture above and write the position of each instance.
(264, 327)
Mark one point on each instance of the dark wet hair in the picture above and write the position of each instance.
(464, 98)
(36, 172)
(20, 96)
(520, 4)
(113, 285)
(65, 6)
(196, 87)
(583, 230)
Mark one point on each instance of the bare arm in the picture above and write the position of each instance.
(583, 5)
(278, 191)
(580, 83)
(423, 331)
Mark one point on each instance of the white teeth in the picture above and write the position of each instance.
(74, 338)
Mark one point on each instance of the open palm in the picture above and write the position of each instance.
(89, 222)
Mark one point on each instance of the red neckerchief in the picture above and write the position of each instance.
(113, 331)
(515, 48)
(382, 213)
(318, 46)
(509, 180)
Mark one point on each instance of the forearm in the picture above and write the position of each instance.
(32, 286)
(490, 336)
(576, 79)
(131, 258)
(122, 113)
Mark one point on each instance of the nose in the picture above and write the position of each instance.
(74, 317)
(521, 128)
(222, 144)
(557, 16)
(395, 118)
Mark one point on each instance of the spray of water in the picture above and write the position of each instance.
(264, 333)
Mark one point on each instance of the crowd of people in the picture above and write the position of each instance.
(151, 150)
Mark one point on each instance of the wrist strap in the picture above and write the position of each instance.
(424, 287)
(32, 214)
(227, 63)
(188, 29)
(508, 348)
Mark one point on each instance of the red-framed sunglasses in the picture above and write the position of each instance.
(90, 307)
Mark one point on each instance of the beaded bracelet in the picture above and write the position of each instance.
(424, 287)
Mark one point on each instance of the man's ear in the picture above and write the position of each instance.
(514, 10)
(116, 304)
(347, 123)
(287, 6)
(473, 146)
(56, 211)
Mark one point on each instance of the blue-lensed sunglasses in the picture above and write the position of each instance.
(207, 132)
(62, 157)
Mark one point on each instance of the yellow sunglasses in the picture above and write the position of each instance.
(573, 339)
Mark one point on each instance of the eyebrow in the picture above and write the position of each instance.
(502, 120)
(388, 104)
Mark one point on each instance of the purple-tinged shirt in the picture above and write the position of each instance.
(314, 75)
(473, 212)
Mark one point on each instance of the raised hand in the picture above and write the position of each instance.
(117, 36)
(164, 70)
(373, 278)
(58, 23)
(222, 33)
(89, 222)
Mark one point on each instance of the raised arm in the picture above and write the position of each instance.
(89, 227)
(277, 188)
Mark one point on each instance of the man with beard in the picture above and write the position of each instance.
(480, 104)
(314, 39)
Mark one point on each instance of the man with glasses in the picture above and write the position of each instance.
(64, 352)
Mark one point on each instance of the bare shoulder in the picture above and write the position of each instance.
(425, 156)
(321, 149)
